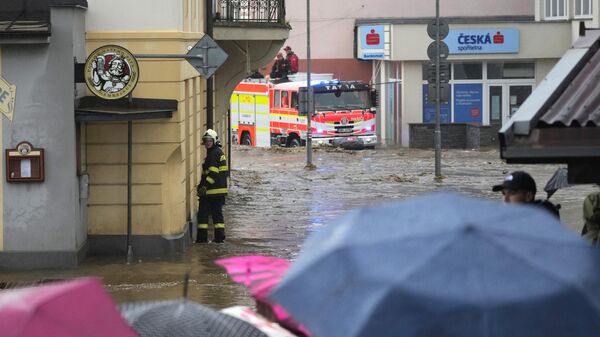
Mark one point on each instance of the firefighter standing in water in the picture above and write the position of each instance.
(212, 189)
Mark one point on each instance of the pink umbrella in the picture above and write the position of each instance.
(79, 308)
(260, 274)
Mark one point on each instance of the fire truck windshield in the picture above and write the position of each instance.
(340, 100)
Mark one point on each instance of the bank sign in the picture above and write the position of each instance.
(483, 41)
(372, 43)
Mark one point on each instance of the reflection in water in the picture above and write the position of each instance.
(275, 203)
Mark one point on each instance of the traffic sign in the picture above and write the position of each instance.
(432, 29)
(444, 72)
(206, 56)
(444, 93)
(431, 50)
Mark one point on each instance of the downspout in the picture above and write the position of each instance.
(208, 18)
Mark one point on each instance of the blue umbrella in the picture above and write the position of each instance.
(445, 265)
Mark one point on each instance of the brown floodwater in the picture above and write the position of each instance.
(274, 203)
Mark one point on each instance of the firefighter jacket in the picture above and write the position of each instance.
(214, 172)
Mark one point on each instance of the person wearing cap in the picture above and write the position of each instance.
(291, 59)
(519, 188)
(212, 189)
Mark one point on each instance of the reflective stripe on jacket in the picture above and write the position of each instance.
(215, 172)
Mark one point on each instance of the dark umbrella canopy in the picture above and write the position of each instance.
(558, 180)
(182, 318)
(445, 265)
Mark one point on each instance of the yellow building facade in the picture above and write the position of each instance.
(167, 153)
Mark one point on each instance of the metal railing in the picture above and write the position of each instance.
(262, 11)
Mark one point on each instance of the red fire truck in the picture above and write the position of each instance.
(265, 114)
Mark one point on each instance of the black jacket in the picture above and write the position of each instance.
(215, 172)
(548, 206)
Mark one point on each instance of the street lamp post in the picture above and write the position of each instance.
(309, 88)
(438, 132)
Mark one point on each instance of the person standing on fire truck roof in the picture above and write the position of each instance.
(291, 59)
(212, 189)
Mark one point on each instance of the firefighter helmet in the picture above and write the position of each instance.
(210, 134)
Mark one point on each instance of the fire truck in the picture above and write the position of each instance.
(265, 114)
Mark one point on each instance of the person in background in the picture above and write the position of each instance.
(591, 217)
(212, 189)
(280, 68)
(519, 188)
(291, 59)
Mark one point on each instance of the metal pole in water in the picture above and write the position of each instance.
(438, 132)
(310, 96)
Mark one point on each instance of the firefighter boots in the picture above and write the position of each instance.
(219, 235)
(202, 236)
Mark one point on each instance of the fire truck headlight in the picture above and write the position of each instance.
(320, 142)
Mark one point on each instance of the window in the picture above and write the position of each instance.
(510, 70)
(294, 99)
(277, 99)
(555, 9)
(583, 8)
(285, 102)
(468, 71)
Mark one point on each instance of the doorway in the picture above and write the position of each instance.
(504, 100)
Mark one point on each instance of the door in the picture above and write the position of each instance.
(495, 105)
(517, 94)
(504, 100)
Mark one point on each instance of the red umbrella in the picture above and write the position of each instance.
(260, 274)
(79, 308)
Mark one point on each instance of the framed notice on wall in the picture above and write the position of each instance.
(24, 164)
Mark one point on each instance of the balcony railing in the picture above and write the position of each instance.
(242, 11)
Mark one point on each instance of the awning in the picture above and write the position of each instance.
(93, 109)
(560, 121)
(28, 22)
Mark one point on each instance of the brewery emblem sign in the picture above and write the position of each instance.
(111, 72)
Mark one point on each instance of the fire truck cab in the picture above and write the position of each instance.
(265, 114)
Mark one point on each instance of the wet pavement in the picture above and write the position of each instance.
(275, 203)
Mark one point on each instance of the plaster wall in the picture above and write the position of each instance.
(45, 216)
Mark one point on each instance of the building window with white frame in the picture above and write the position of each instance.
(583, 8)
(555, 9)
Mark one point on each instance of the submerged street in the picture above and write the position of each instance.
(274, 203)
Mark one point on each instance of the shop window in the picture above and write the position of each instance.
(583, 8)
(277, 99)
(555, 9)
(510, 70)
(468, 71)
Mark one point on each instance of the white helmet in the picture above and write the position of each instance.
(211, 134)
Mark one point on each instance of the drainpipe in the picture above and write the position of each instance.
(208, 18)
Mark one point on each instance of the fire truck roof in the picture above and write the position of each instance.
(324, 86)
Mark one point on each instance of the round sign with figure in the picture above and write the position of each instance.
(111, 72)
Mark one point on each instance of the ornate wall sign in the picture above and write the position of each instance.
(111, 72)
(7, 98)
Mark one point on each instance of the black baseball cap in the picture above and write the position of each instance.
(517, 181)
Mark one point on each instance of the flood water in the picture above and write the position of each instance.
(274, 203)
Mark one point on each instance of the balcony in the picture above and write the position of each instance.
(253, 13)
(249, 20)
